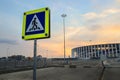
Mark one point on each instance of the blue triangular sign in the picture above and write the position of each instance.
(35, 25)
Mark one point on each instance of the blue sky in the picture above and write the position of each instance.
(96, 20)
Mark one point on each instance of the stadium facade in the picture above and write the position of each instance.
(97, 51)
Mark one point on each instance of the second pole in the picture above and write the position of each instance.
(35, 59)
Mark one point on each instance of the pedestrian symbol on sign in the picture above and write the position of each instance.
(35, 25)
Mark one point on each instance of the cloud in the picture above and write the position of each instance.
(103, 14)
(79, 35)
(8, 41)
(90, 15)
(106, 19)
(109, 12)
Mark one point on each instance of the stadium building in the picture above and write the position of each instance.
(97, 51)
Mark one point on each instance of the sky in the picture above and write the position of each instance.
(87, 22)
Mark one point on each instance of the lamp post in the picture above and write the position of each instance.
(63, 16)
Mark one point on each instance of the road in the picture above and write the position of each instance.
(56, 74)
(111, 74)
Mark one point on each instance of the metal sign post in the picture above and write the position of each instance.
(35, 59)
(36, 25)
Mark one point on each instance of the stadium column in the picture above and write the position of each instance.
(119, 51)
(105, 50)
(88, 51)
(85, 52)
(112, 50)
(98, 51)
(116, 50)
(72, 53)
(77, 53)
(80, 52)
(109, 50)
(91, 52)
(95, 51)
(101, 50)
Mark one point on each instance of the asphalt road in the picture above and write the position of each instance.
(111, 74)
(56, 74)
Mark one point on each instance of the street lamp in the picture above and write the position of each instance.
(63, 16)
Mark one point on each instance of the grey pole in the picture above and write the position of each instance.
(63, 16)
(34, 65)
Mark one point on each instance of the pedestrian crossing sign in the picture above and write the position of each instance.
(36, 24)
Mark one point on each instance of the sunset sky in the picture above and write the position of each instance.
(87, 22)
